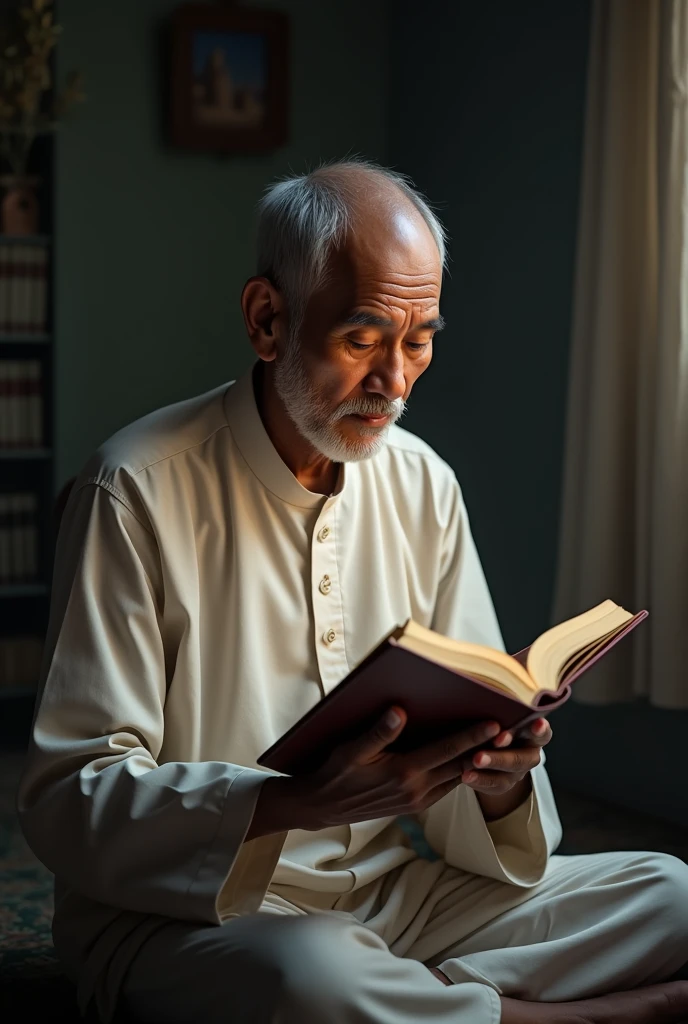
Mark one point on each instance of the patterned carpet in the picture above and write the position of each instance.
(31, 982)
(26, 886)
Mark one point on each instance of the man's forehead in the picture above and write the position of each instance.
(362, 318)
(385, 284)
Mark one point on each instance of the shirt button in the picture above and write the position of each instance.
(324, 533)
(325, 585)
(330, 636)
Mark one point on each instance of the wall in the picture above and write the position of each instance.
(487, 108)
(153, 246)
(488, 118)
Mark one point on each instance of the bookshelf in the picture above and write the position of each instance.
(14, 590)
(26, 450)
(20, 691)
(19, 339)
(22, 454)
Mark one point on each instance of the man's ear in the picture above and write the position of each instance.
(265, 317)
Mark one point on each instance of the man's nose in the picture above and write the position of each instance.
(387, 378)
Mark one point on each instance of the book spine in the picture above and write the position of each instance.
(35, 404)
(5, 539)
(4, 289)
(17, 290)
(18, 408)
(4, 403)
(31, 290)
(25, 394)
(23, 403)
(19, 539)
(19, 278)
(15, 401)
(12, 290)
(26, 288)
(17, 567)
(24, 538)
(42, 291)
(31, 537)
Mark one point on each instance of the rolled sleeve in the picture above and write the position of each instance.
(248, 867)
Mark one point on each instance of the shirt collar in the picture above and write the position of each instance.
(252, 440)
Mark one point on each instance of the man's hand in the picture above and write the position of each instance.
(503, 779)
(361, 780)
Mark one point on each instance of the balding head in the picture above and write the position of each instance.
(306, 219)
(370, 191)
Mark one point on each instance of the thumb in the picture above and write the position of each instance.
(371, 745)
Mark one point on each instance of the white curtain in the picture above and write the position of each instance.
(624, 527)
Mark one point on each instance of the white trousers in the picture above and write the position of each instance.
(595, 924)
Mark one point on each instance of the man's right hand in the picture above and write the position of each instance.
(362, 780)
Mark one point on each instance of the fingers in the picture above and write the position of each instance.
(370, 746)
(539, 732)
(448, 772)
(450, 747)
(521, 760)
(494, 783)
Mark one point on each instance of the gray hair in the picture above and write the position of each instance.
(303, 218)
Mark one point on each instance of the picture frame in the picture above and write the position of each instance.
(228, 79)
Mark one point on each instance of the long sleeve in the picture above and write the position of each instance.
(515, 848)
(95, 805)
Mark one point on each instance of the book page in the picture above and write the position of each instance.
(485, 663)
(550, 655)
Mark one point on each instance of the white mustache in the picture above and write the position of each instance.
(370, 407)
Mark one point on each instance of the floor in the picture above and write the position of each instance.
(30, 977)
(592, 826)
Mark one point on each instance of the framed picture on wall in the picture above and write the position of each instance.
(228, 88)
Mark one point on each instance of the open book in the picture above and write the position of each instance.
(445, 684)
(549, 661)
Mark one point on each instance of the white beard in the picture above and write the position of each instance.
(312, 416)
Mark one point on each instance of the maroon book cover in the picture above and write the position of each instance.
(437, 700)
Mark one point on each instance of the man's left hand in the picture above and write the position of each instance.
(496, 772)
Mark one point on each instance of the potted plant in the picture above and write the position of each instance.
(29, 107)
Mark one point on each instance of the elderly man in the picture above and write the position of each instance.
(223, 564)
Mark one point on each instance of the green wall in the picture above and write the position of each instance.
(153, 246)
(489, 124)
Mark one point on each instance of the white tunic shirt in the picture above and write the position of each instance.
(203, 600)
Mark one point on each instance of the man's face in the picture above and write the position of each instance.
(365, 338)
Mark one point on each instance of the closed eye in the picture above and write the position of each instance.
(416, 346)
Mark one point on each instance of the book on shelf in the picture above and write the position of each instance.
(23, 289)
(21, 403)
(19, 562)
(444, 684)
